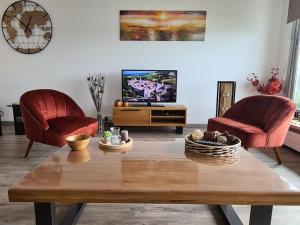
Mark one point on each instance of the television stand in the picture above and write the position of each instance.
(141, 105)
(156, 106)
(149, 104)
(154, 116)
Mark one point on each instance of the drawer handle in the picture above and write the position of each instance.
(130, 110)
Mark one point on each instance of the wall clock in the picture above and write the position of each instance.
(27, 27)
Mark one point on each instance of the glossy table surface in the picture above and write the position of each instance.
(153, 171)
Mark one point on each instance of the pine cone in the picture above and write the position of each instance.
(211, 136)
(232, 139)
(226, 134)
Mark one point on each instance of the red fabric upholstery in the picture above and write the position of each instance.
(249, 134)
(259, 121)
(50, 116)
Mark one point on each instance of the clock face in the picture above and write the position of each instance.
(27, 27)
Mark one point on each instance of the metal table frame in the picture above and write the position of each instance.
(45, 214)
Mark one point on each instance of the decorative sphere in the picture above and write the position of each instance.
(197, 135)
(222, 139)
(123, 142)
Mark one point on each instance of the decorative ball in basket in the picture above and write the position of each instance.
(212, 143)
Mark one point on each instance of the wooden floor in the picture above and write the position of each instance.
(13, 167)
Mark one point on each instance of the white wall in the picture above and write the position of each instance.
(242, 37)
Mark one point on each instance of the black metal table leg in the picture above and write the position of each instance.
(230, 214)
(261, 215)
(45, 214)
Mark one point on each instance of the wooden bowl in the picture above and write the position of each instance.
(78, 142)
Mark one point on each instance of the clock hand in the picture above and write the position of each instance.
(28, 25)
(23, 24)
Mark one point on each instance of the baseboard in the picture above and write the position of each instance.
(199, 126)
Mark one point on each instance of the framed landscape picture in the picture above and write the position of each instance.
(141, 25)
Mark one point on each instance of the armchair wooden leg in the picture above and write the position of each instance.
(276, 151)
(28, 148)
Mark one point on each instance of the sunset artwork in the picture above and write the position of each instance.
(162, 25)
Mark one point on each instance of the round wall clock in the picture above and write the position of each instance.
(27, 27)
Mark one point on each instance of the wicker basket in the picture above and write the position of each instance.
(201, 149)
(212, 161)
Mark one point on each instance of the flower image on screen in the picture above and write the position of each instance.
(149, 85)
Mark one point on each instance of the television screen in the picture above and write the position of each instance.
(149, 85)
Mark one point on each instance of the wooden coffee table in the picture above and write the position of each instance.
(154, 171)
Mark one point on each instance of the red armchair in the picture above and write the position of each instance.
(259, 121)
(50, 116)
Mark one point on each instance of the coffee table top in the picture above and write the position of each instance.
(153, 171)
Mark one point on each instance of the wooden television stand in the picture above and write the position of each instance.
(145, 116)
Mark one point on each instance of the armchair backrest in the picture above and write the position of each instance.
(264, 111)
(39, 106)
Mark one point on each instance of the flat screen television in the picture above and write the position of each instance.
(149, 86)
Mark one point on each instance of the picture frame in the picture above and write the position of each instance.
(162, 25)
(225, 96)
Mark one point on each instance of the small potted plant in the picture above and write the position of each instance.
(107, 137)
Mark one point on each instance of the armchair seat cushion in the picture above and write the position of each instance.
(62, 127)
(251, 136)
(70, 124)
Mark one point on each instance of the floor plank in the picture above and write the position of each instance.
(13, 167)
